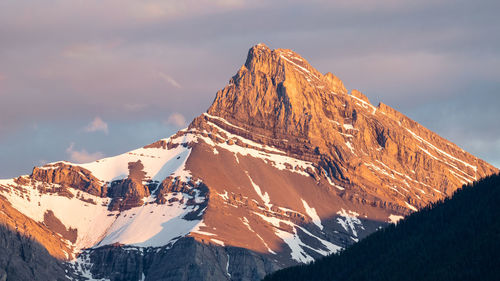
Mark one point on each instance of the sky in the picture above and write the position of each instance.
(86, 79)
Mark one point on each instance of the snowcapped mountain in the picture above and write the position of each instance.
(285, 166)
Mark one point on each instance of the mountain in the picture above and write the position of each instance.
(285, 167)
(454, 239)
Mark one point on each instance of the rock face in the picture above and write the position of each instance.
(69, 175)
(24, 259)
(128, 193)
(40, 231)
(187, 259)
(279, 100)
(285, 167)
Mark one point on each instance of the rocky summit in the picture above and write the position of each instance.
(286, 166)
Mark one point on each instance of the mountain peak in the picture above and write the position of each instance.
(276, 91)
(285, 102)
(257, 54)
(285, 63)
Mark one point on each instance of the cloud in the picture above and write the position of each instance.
(75, 59)
(110, 13)
(176, 119)
(97, 125)
(80, 50)
(82, 156)
(167, 78)
(169, 10)
(134, 107)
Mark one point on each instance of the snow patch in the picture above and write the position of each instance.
(270, 155)
(411, 207)
(311, 212)
(395, 218)
(349, 221)
(422, 140)
(245, 221)
(294, 242)
(224, 195)
(158, 163)
(365, 104)
(263, 196)
(224, 121)
(82, 266)
(349, 145)
(303, 69)
(152, 225)
(198, 231)
(227, 267)
(331, 182)
(72, 212)
(218, 242)
(348, 127)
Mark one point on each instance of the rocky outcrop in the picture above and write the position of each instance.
(54, 224)
(126, 194)
(361, 96)
(69, 175)
(129, 192)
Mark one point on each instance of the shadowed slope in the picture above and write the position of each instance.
(22, 258)
(456, 239)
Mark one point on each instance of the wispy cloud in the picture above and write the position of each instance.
(82, 156)
(80, 50)
(90, 50)
(134, 107)
(167, 78)
(97, 125)
(176, 119)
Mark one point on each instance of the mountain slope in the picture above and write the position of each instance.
(24, 259)
(456, 239)
(285, 167)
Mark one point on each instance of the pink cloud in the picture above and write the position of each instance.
(167, 78)
(176, 119)
(82, 156)
(97, 125)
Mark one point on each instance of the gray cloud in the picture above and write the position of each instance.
(68, 62)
